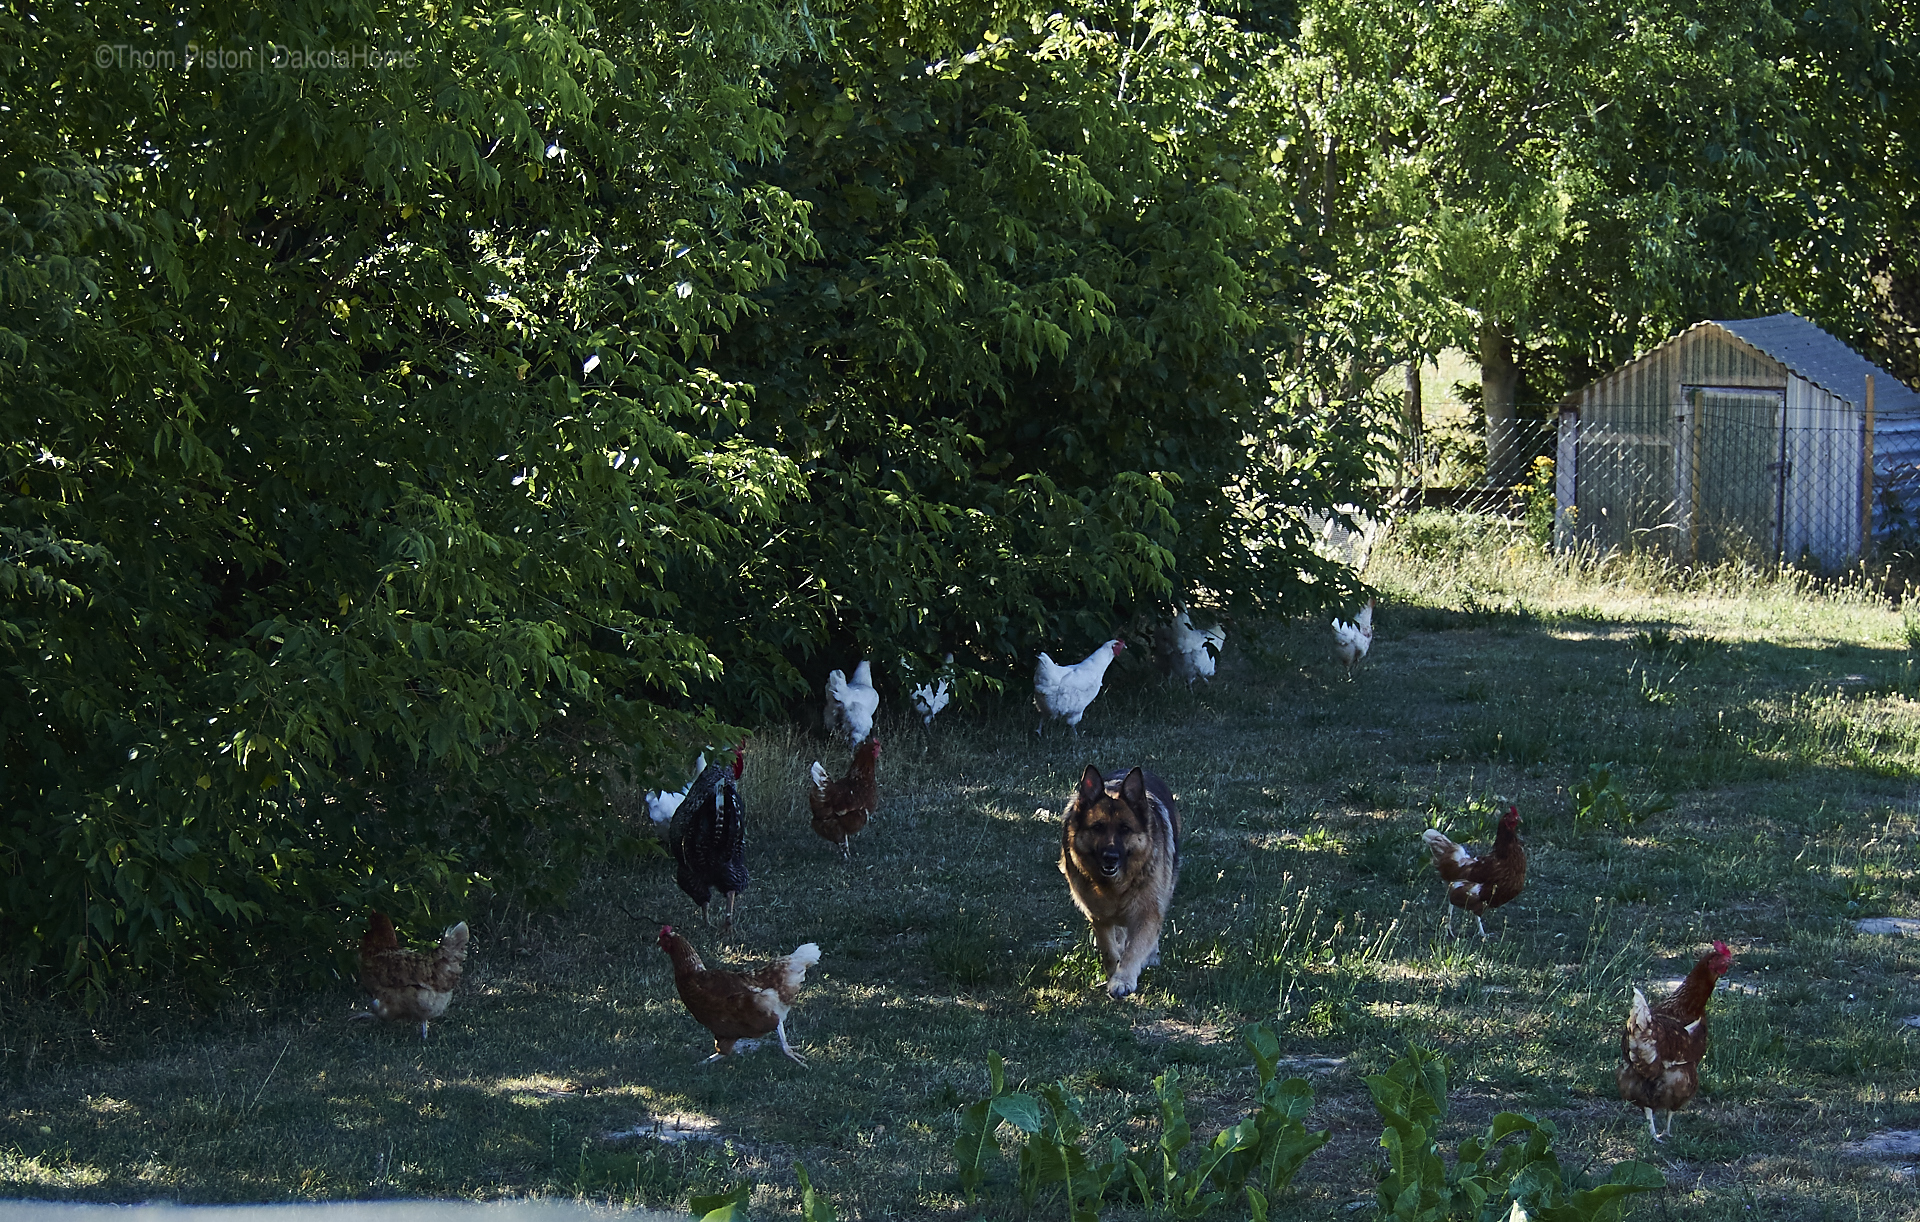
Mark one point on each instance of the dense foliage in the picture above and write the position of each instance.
(412, 414)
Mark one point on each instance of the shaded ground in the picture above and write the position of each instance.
(1783, 727)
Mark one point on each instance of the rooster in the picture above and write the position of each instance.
(1066, 691)
(662, 803)
(840, 808)
(1661, 1046)
(406, 985)
(736, 1005)
(1480, 883)
(1351, 641)
(851, 703)
(708, 837)
(930, 698)
(1187, 652)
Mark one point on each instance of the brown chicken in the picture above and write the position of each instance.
(1480, 883)
(738, 1006)
(1661, 1046)
(841, 808)
(406, 985)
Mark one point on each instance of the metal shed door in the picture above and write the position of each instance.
(1736, 472)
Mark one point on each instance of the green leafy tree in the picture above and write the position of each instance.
(1027, 372)
(352, 412)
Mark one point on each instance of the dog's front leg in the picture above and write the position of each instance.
(1138, 947)
(1112, 941)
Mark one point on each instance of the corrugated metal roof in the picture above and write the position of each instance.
(1823, 360)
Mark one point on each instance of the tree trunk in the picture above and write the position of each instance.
(1499, 384)
(1413, 429)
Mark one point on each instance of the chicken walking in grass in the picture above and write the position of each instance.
(1066, 691)
(739, 1007)
(1188, 653)
(841, 808)
(930, 698)
(1479, 883)
(408, 985)
(1351, 641)
(851, 704)
(708, 837)
(1661, 1046)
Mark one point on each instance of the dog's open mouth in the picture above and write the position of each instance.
(1110, 867)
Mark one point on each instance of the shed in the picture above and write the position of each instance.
(1743, 439)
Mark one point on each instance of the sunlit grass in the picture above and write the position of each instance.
(1780, 720)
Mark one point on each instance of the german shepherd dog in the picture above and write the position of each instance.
(1120, 851)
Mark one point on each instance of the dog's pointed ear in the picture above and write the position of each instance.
(1091, 786)
(1133, 790)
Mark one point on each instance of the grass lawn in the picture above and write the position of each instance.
(1783, 726)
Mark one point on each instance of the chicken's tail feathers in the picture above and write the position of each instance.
(1364, 620)
(1643, 1043)
(817, 777)
(1441, 847)
(453, 944)
(794, 967)
(837, 684)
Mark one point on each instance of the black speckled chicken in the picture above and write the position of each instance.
(708, 837)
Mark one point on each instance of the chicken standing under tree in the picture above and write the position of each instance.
(931, 697)
(407, 985)
(1066, 691)
(1351, 641)
(708, 837)
(1188, 653)
(841, 808)
(1480, 883)
(737, 1006)
(851, 703)
(1661, 1046)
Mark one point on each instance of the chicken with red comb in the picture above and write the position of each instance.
(1661, 1046)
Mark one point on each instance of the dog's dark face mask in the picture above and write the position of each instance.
(1107, 828)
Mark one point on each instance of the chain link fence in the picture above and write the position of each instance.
(1470, 465)
(1728, 475)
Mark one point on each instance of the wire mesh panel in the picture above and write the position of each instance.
(1735, 474)
(1624, 479)
(1731, 485)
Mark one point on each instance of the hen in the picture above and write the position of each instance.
(851, 703)
(708, 837)
(1480, 883)
(1351, 641)
(662, 803)
(930, 698)
(737, 1006)
(1066, 691)
(840, 808)
(406, 985)
(1186, 652)
(1661, 1046)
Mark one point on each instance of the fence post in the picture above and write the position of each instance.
(1866, 477)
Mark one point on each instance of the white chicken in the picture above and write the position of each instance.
(1351, 641)
(1066, 691)
(851, 704)
(662, 803)
(930, 698)
(1185, 651)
